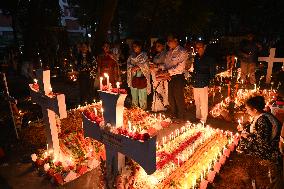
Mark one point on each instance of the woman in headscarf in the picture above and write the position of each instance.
(260, 139)
(138, 76)
(107, 63)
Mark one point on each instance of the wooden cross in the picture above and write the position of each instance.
(117, 146)
(51, 104)
(270, 60)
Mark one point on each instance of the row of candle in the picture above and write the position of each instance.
(215, 151)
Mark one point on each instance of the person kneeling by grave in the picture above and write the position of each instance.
(260, 138)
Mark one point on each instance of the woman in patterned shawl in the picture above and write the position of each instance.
(138, 76)
(260, 139)
(160, 87)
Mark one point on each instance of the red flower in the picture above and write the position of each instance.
(50, 173)
(39, 162)
(81, 169)
(58, 179)
(98, 120)
(165, 124)
(71, 167)
(172, 157)
(58, 163)
(36, 86)
(137, 136)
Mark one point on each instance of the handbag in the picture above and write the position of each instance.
(139, 82)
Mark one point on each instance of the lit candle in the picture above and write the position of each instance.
(102, 112)
(242, 81)
(255, 87)
(129, 125)
(46, 147)
(101, 83)
(96, 112)
(177, 132)
(117, 85)
(107, 77)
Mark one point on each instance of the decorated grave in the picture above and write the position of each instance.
(137, 152)
(189, 157)
(66, 157)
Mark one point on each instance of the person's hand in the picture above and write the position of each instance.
(152, 66)
(163, 76)
(244, 134)
(135, 68)
(240, 128)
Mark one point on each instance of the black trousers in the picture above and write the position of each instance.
(176, 96)
(84, 86)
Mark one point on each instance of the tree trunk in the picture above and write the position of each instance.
(105, 20)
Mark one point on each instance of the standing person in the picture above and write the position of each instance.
(138, 76)
(107, 63)
(175, 62)
(203, 72)
(84, 66)
(160, 87)
(248, 56)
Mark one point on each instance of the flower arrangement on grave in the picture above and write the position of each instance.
(79, 155)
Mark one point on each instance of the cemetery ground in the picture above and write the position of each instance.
(16, 170)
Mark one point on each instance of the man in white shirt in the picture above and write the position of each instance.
(175, 62)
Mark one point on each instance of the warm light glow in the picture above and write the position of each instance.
(117, 85)
(106, 75)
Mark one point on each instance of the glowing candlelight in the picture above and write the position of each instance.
(96, 112)
(117, 85)
(107, 77)
(129, 125)
(46, 147)
(101, 83)
(242, 81)
(35, 80)
(102, 112)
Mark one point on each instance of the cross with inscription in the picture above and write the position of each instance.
(52, 104)
(116, 145)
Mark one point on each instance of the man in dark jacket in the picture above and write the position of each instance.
(204, 71)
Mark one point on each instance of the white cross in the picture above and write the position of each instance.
(51, 106)
(270, 60)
